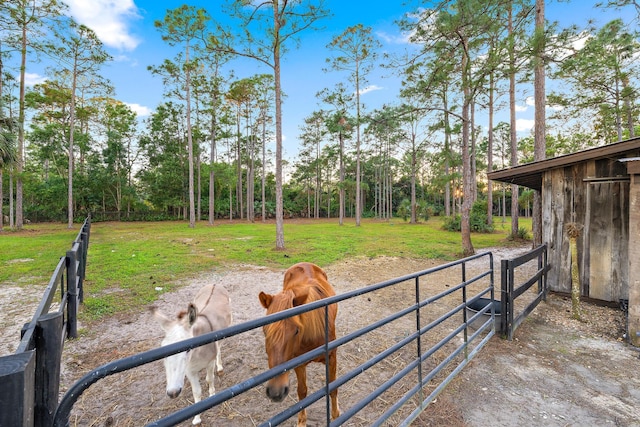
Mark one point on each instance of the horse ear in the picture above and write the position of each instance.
(265, 299)
(193, 313)
(300, 297)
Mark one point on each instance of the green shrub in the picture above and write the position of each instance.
(477, 220)
(423, 210)
(452, 223)
(404, 209)
(523, 233)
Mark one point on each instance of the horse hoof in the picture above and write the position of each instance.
(220, 372)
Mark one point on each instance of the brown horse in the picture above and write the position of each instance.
(291, 337)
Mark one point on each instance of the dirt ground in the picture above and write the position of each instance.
(557, 372)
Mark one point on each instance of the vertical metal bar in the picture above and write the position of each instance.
(504, 297)
(326, 364)
(510, 280)
(464, 312)
(464, 300)
(493, 294)
(418, 339)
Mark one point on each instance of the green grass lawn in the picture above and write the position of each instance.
(134, 258)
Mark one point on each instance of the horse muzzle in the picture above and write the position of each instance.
(277, 393)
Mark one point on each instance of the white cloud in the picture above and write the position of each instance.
(530, 101)
(140, 110)
(402, 38)
(370, 88)
(524, 124)
(109, 19)
(579, 43)
(32, 79)
(521, 108)
(121, 58)
(574, 46)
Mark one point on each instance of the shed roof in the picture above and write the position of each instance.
(530, 174)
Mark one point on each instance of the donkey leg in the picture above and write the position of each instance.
(211, 367)
(197, 392)
(333, 368)
(301, 375)
(219, 368)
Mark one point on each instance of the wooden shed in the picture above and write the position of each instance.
(598, 189)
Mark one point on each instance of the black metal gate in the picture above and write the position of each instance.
(511, 291)
(444, 331)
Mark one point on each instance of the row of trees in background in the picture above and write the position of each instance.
(207, 151)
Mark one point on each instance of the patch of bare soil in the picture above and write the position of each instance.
(17, 305)
(557, 371)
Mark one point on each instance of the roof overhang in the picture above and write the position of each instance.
(530, 174)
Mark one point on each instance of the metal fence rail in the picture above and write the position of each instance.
(30, 378)
(460, 354)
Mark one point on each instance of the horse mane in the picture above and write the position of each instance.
(311, 323)
(280, 302)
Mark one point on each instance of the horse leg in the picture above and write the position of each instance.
(333, 368)
(301, 375)
(197, 391)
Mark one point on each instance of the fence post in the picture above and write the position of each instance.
(82, 262)
(72, 292)
(49, 339)
(504, 297)
(17, 377)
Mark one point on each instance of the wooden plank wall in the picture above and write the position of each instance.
(570, 194)
(608, 231)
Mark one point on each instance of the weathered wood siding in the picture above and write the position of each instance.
(594, 195)
(608, 244)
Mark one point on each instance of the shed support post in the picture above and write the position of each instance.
(633, 168)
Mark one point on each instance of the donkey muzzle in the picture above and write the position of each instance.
(173, 393)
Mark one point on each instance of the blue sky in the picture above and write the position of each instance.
(132, 39)
(127, 31)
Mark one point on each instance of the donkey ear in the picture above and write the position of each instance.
(193, 313)
(265, 299)
(163, 320)
(300, 297)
